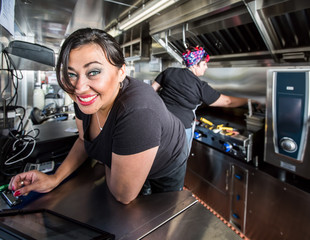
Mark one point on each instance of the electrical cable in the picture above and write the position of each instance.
(13, 72)
(5, 150)
(17, 137)
(21, 118)
(36, 129)
(28, 141)
(11, 144)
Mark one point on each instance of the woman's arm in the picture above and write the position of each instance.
(75, 158)
(128, 174)
(156, 86)
(229, 101)
(40, 182)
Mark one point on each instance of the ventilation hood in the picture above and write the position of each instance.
(262, 32)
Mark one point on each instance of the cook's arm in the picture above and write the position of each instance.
(229, 101)
(156, 86)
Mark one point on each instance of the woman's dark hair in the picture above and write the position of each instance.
(82, 37)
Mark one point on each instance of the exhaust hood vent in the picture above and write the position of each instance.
(288, 26)
(292, 29)
(235, 43)
(226, 30)
(251, 32)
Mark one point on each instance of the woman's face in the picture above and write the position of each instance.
(96, 81)
(201, 68)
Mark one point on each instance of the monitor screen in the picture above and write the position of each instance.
(290, 114)
(46, 224)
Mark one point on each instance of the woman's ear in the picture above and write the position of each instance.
(122, 73)
(193, 68)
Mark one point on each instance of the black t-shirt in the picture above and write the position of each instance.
(182, 91)
(138, 120)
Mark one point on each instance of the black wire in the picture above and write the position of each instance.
(5, 151)
(21, 125)
(8, 80)
(13, 66)
(5, 87)
(13, 77)
(35, 136)
(12, 72)
(15, 86)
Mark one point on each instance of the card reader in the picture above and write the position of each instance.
(44, 167)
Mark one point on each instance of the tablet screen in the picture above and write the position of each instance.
(45, 224)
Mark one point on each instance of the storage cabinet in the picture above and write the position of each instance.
(275, 209)
(136, 43)
(208, 177)
(255, 202)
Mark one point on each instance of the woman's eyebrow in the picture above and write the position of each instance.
(86, 65)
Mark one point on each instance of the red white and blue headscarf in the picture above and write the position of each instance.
(194, 57)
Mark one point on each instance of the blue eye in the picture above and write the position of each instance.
(72, 75)
(94, 73)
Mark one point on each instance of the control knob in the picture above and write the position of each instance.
(227, 147)
(288, 144)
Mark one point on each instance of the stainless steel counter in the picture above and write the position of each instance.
(195, 223)
(56, 130)
(86, 198)
(54, 141)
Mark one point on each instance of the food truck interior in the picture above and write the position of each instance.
(252, 182)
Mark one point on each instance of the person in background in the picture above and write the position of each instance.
(122, 123)
(183, 91)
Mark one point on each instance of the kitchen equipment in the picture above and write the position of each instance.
(255, 121)
(287, 125)
(238, 146)
(230, 136)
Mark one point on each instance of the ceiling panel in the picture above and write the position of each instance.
(48, 22)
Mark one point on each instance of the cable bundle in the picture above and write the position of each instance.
(18, 145)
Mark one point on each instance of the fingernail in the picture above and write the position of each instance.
(17, 193)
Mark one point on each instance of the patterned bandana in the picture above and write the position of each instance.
(193, 58)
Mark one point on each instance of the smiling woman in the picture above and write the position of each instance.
(96, 81)
(122, 122)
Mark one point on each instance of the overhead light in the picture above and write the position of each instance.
(114, 32)
(149, 10)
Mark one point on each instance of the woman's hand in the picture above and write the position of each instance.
(37, 181)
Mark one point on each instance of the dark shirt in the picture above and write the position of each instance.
(138, 120)
(182, 91)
